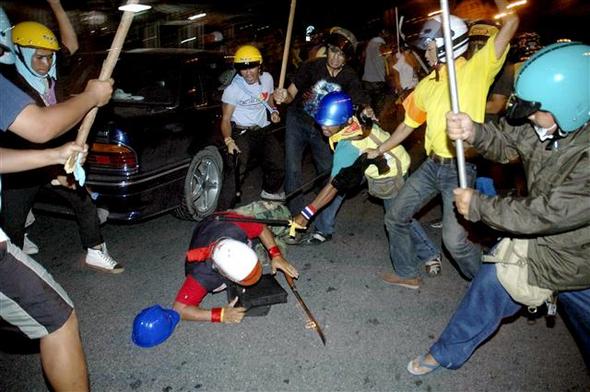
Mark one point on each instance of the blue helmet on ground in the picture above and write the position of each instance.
(556, 79)
(154, 325)
(334, 109)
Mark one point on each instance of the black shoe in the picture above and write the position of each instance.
(316, 238)
(294, 240)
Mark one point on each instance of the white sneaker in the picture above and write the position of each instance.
(99, 259)
(280, 196)
(30, 219)
(103, 215)
(433, 267)
(29, 247)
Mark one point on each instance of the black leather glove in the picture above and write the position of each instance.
(352, 176)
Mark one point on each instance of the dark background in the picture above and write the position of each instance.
(553, 19)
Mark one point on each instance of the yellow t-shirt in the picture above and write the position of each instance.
(399, 152)
(431, 100)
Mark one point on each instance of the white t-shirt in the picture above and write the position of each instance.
(407, 76)
(374, 62)
(249, 109)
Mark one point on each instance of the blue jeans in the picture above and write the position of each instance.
(301, 132)
(425, 248)
(325, 221)
(485, 304)
(422, 186)
(574, 307)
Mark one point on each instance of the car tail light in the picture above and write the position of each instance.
(112, 156)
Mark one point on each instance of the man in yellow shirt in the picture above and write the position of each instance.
(341, 127)
(429, 103)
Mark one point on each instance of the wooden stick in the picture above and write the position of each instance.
(105, 73)
(444, 6)
(287, 44)
(310, 317)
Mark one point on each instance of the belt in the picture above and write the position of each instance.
(250, 128)
(441, 160)
(241, 130)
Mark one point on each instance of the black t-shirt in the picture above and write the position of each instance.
(502, 85)
(313, 82)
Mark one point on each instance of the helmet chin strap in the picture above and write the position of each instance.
(436, 68)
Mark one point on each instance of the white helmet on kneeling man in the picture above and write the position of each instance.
(236, 261)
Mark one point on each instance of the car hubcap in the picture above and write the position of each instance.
(205, 185)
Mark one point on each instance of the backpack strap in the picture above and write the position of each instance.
(241, 84)
(398, 163)
(199, 254)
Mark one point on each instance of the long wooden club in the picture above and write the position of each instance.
(107, 70)
(287, 44)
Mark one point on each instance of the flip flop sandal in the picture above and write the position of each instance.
(423, 368)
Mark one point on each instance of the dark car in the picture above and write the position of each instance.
(153, 148)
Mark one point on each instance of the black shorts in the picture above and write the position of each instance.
(30, 299)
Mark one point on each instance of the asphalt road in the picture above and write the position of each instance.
(372, 329)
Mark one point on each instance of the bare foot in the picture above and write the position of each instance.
(422, 365)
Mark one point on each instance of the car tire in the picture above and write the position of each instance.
(202, 185)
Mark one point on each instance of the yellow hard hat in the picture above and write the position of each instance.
(34, 35)
(247, 56)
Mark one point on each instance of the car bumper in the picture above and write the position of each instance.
(138, 197)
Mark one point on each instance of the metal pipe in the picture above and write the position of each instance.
(453, 88)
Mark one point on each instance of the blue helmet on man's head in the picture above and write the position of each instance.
(556, 79)
(334, 109)
(154, 325)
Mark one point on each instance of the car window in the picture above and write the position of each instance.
(169, 79)
(146, 80)
(203, 84)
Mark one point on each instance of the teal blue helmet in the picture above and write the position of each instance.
(556, 79)
(6, 46)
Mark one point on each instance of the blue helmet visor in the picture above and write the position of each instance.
(518, 108)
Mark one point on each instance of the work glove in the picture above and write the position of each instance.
(352, 176)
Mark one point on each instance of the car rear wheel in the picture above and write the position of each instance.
(202, 185)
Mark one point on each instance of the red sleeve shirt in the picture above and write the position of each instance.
(191, 293)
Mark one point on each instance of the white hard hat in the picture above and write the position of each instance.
(433, 31)
(236, 261)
